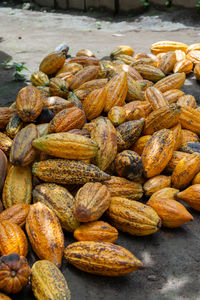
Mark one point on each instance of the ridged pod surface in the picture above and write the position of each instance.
(139, 145)
(14, 125)
(197, 71)
(68, 171)
(85, 52)
(105, 135)
(67, 145)
(67, 119)
(132, 216)
(134, 90)
(167, 61)
(145, 106)
(117, 115)
(5, 143)
(52, 62)
(60, 201)
(166, 46)
(157, 152)
(156, 183)
(45, 233)
(86, 74)
(150, 72)
(96, 231)
(5, 114)
(191, 196)
(12, 239)
(70, 67)
(187, 100)
(29, 103)
(84, 60)
(180, 55)
(164, 117)
(189, 119)
(39, 78)
(194, 56)
(172, 213)
(56, 104)
(18, 186)
(112, 260)
(48, 282)
(58, 87)
(189, 136)
(173, 95)
(16, 214)
(3, 168)
(155, 98)
(116, 91)
(4, 297)
(184, 65)
(177, 132)
(190, 147)
(174, 81)
(94, 103)
(185, 170)
(176, 157)
(91, 202)
(121, 50)
(22, 152)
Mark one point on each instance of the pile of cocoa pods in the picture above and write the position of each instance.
(80, 147)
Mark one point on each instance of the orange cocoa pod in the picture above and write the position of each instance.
(131, 71)
(139, 145)
(96, 231)
(70, 67)
(4, 297)
(155, 98)
(84, 60)
(3, 168)
(94, 103)
(184, 65)
(191, 196)
(189, 136)
(45, 233)
(116, 91)
(93, 84)
(172, 213)
(29, 103)
(197, 71)
(195, 46)
(176, 157)
(167, 61)
(117, 115)
(85, 52)
(56, 104)
(52, 62)
(86, 74)
(194, 56)
(16, 214)
(173, 95)
(67, 119)
(149, 72)
(58, 87)
(12, 239)
(145, 84)
(91, 201)
(185, 170)
(5, 114)
(157, 152)
(121, 50)
(187, 100)
(174, 81)
(156, 183)
(189, 119)
(143, 106)
(180, 55)
(5, 143)
(177, 132)
(166, 46)
(134, 90)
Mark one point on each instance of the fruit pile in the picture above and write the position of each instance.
(88, 138)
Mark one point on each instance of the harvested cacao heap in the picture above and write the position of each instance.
(80, 148)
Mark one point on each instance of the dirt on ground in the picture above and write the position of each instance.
(172, 257)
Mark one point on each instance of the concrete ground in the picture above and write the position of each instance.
(172, 257)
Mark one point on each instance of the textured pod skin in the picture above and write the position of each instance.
(174, 81)
(45, 117)
(195, 46)
(173, 95)
(67, 145)
(197, 71)
(131, 71)
(156, 183)
(139, 145)
(134, 90)
(145, 84)
(187, 100)
(176, 157)
(68, 172)
(91, 201)
(128, 164)
(196, 179)
(166, 46)
(56, 104)
(94, 103)
(67, 119)
(144, 106)
(84, 60)
(177, 132)
(185, 170)
(13, 126)
(14, 273)
(93, 84)
(60, 201)
(73, 68)
(5, 143)
(5, 114)
(42, 129)
(122, 50)
(130, 132)
(52, 62)
(12, 239)
(48, 282)
(18, 186)
(16, 214)
(85, 52)
(39, 78)
(190, 147)
(45, 233)
(121, 187)
(82, 132)
(22, 152)
(150, 72)
(58, 87)
(116, 91)
(167, 61)
(112, 260)
(180, 55)
(132, 217)
(44, 91)
(189, 136)
(124, 59)
(147, 55)
(87, 74)
(164, 117)
(189, 119)
(4, 297)
(184, 65)
(117, 115)
(157, 152)
(194, 56)
(155, 98)
(96, 231)
(191, 196)
(3, 168)
(29, 103)
(172, 213)
(105, 135)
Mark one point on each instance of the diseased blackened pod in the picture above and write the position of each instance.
(3, 168)
(190, 147)
(14, 125)
(45, 117)
(128, 164)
